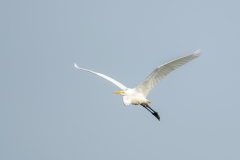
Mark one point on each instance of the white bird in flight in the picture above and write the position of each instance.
(137, 96)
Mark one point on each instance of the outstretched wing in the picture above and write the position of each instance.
(160, 72)
(121, 86)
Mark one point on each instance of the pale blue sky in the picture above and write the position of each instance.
(49, 110)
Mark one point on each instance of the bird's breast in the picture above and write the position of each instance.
(139, 100)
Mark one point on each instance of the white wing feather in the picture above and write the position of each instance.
(160, 72)
(121, 86)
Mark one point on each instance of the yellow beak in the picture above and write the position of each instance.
(118, 92)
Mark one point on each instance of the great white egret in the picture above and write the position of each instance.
(137, 96)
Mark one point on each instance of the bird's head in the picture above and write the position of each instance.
(119, 92)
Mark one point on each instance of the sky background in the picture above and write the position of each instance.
(50, 110)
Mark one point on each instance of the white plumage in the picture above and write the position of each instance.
(137, 96)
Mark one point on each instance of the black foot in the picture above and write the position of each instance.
(156, 115)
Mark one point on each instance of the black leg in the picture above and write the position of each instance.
(154, 112)
(146, 108)
(149, 107)
(151, 111)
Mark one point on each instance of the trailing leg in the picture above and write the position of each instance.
(151, 111)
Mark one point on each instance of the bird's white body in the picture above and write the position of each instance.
(132, 96)
(137, 96)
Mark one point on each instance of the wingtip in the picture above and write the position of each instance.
(75, 65)
(198, 52)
